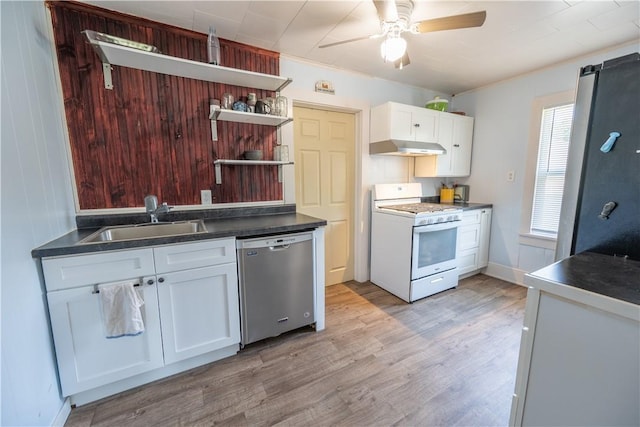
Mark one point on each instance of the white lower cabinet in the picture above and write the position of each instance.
(472, 250)
(190, 309)
(86, 359)
(195, 311)
(579, 360)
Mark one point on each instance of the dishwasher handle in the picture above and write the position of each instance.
(282, 241)
(279, 248)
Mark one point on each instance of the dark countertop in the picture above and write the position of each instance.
(469, 206)
(255, 225)
(614, 277)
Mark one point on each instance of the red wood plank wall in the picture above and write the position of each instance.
(151, 133)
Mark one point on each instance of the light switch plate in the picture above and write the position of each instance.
(205, 197)
(511, 176)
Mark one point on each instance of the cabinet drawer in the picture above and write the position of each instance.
(194, 255)
(468, 237)
(471, 217)
(79, 270)
(467, 261)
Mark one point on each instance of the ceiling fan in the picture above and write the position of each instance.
(395, 19)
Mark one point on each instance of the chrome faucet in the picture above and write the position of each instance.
(151, 205)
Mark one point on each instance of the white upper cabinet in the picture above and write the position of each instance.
(404, 122)
(410, 123)
(455, 134)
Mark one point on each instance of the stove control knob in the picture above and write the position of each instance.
(450, 218)
(440, 219)
(422, 222)
(430, 221)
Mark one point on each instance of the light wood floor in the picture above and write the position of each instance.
(449, 359)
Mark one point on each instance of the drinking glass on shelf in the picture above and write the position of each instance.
(227, 101)
(282, 109)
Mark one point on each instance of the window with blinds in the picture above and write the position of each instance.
(553, 148)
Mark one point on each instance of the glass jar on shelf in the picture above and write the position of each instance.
(271, 102)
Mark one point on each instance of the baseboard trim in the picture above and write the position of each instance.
(508, 274)
(63, 414)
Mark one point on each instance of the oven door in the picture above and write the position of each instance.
(434, 249)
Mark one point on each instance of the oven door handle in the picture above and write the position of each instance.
(436, 227)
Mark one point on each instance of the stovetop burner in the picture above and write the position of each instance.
(417, 208)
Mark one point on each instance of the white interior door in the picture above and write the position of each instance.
(324, 144)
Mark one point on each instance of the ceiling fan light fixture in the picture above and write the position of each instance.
(393, 48)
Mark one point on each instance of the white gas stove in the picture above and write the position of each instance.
(413, 244)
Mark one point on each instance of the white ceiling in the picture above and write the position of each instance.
(517, 36)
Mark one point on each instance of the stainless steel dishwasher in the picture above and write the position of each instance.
(276, 277)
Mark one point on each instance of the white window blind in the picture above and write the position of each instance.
(553, 149)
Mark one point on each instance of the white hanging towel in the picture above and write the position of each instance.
(121, 304)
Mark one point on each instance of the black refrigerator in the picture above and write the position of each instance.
(601, 200)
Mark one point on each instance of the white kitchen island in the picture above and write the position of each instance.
(579, 358)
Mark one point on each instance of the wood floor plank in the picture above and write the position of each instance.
(449, 359)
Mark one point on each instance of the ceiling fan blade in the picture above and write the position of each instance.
(374, 36)
(468, 20)
(387, 10)
(402, 62)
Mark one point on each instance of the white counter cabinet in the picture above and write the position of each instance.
(190, 311)
(198, 311)
(579, 360)
(472, 250)
(86, 359)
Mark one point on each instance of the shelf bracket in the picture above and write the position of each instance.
(284, 84)
(213, 115)
(218, 168)
(106, 70)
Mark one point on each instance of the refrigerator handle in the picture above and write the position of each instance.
(607, 209)
(608, 144)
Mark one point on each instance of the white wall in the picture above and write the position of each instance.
(355, 93)
(502, 114)
(36, 206)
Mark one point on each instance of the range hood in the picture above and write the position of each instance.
(397, 147)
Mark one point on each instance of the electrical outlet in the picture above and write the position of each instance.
(205, 197)
(511, 176)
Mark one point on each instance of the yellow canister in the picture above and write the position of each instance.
(446, 195)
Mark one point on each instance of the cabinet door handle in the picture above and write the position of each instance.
(456, 145)
(150, 282)
(417, 125)
(97, 291)
(161, 279)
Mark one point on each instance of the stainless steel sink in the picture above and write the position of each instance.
(145, 231)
